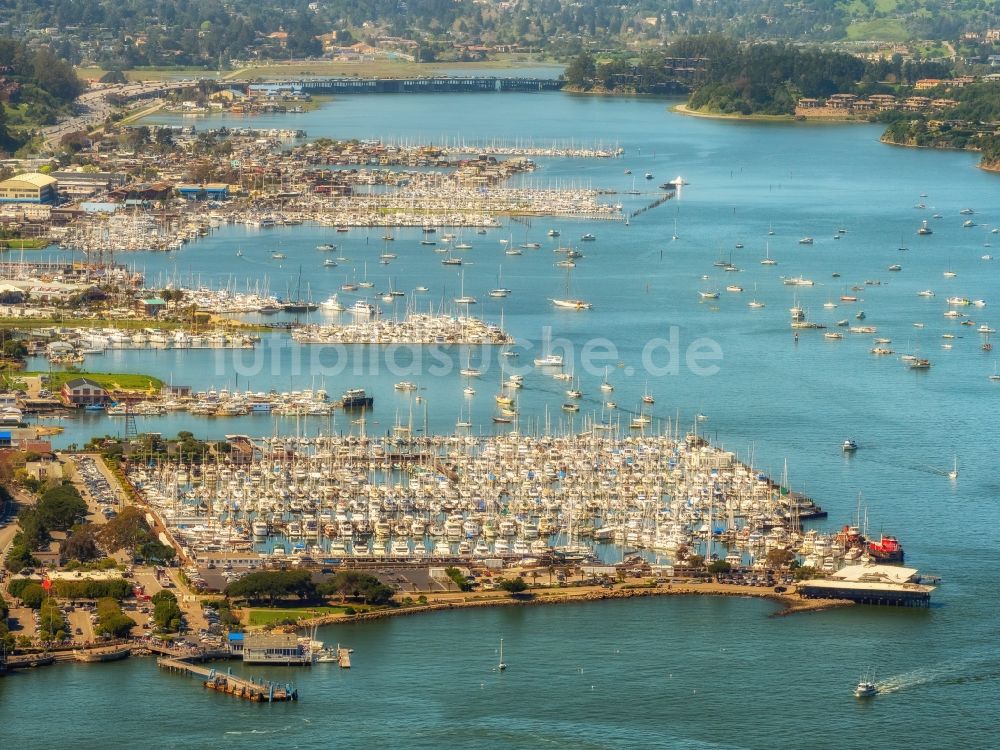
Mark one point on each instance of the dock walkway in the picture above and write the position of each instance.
(258, 691)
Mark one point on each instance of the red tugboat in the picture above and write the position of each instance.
(886, 549)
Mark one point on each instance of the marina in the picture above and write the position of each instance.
(573, 660)
(514, 497)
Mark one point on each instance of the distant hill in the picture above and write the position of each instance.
(204, 32)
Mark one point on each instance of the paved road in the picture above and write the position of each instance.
(93, 108)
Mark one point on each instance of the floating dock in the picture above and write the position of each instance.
(257, 691)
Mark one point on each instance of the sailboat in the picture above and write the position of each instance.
(674, 235)
(500, 291)
(569, 303)
(647, 397)
(953, 474)
(767, 260)
(299, 305)
(463, 298)
(365, 283)
(755, 303)
(501, 665)
(606, 386)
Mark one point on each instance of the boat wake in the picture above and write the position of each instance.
(262, 731)
(944, 674)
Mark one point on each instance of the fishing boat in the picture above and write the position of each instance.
(866, 688)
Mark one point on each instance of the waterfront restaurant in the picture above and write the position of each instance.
(274, 648)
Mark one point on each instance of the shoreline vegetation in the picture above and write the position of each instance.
(790, 602)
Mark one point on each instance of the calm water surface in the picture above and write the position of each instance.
(668, 673)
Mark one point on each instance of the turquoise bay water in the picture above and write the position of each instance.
(761, 682)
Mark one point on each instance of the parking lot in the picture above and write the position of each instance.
(96, 489)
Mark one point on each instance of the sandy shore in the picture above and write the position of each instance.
(684, 110)
(790, 602)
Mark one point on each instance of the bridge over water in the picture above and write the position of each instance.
(426, 85)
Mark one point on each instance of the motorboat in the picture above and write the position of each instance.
(806, 241)
(850, 446)
(866, 688)
(551, 360)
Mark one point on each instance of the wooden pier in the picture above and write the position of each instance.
(258, 691)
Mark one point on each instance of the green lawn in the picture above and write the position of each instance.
(883, 29)
(257, 617)
(33, 243)
(111, 380)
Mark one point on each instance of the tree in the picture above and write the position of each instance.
(513, 585)
(81, 545)
(33, 595)
(272, 585)
(779, 558)
(61, 507)
(458, 579)
(166, 614)
(718, 567)
(18, 558)
(126, 531)
(357, 585)
(580, 72)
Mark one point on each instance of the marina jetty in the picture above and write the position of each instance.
(254, 690)
(415, 328)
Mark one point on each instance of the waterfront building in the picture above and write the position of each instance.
(273, 648)
(29, 187)
(83, 391)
